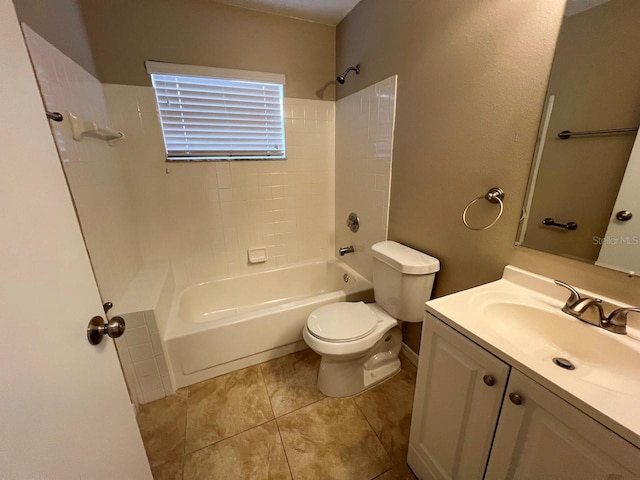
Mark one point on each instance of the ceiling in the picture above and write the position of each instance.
(329, 12)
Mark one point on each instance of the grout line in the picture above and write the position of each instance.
(303, 406)
(264, 384)
(184, 442)
(376, 434)
(286, 457)
(275, 419)
(231, 436)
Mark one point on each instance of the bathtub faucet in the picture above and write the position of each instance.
(344, 250)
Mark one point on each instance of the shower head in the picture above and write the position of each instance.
(340, 78)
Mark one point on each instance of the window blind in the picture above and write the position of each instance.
(207, 118)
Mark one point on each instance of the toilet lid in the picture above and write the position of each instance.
(342, 322)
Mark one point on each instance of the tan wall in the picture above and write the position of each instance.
(472, 76)
(596, 83)
(125, 33)
(60, 23)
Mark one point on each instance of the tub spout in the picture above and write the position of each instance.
(344, 250)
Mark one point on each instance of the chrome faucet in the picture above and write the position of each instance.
(577, 306)
(344, 250)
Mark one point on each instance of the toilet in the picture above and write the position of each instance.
(359, 343)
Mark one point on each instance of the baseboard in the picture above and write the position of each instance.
(410, 354)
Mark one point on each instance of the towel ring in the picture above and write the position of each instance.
(494, 195)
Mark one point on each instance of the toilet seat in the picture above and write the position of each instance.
(342, 322)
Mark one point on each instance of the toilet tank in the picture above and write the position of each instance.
(402, 279)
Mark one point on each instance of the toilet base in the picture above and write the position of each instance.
(340, 377)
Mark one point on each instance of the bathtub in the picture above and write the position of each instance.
(223, 325)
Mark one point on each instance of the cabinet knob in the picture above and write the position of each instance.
(488, 380)
(515, 398)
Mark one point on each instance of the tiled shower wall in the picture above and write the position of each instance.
(92, 167)
(364, 143)
(203, 216)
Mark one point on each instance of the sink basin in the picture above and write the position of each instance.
(600, 357)
(519, 319)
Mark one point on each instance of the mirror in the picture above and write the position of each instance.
(582, 200)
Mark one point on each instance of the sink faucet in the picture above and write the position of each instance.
(344, 250)
(577, 306)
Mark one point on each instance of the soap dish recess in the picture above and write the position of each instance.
(257, 254)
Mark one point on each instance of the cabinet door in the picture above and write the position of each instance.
(544, 437)
(456, 405)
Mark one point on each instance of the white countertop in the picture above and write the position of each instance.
(617, 408)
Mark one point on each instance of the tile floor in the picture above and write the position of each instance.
(271, 422)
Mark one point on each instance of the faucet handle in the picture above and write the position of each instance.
(575, 295)
(619, 316)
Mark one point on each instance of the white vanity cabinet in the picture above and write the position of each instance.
(541, 436)
(459, 392)
(462, 428)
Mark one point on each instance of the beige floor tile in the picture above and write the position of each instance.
(397, 473)
(292, 381)
(224, 406)
(388, 408)
(256, 454)
(162, 425)
(171, 470)
(331, 439)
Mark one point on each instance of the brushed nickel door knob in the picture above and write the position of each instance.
(97, 329)
(488, 380)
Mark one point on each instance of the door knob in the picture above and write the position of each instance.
(488, 380)
(97, 329)
(624, 215)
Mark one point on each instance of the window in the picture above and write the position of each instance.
(219, 114)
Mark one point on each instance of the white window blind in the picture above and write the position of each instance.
(216, 116)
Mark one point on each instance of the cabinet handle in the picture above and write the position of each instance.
(515, 398)
(488, 380)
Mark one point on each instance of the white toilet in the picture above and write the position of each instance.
(359, 343)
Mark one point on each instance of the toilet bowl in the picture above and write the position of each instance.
(359, 343)
(356, 353)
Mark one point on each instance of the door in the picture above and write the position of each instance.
(621, 245)
(459, 390)
(65, 412)
(542, 436)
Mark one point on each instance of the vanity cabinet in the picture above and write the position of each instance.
(459, 392)
(543, 436)
(466, 426)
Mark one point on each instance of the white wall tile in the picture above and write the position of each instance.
(363, 146)
(136, 336)
(202, 217)
(166, 383)
(142, 358)
(156, 344)
(134, 320)
(141, 352)
(146, 368)
(93, 168)
(152, 395)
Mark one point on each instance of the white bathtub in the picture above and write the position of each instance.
(224, 325)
